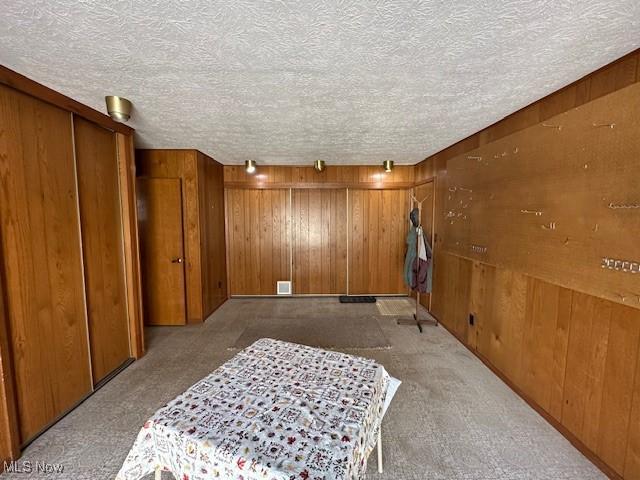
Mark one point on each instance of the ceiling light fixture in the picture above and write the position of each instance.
(119, 108)
(250, 166)
(388, 165)
(319, 165)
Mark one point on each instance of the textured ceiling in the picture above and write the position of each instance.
(292, 81)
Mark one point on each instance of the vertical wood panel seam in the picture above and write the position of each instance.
(348, 238)
(290, 238)
(81, 245)
(564, 376)
(121, 201)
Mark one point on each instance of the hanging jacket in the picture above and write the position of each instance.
(422, 265)
(410, 257)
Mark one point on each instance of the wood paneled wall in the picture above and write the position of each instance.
(258, 239)
(319, 241)
(562, 331)
(44, 279)
(354, 212)
(212, 234)
(181, 164)
(36, 90)
(612, 77)
(574, 356)
(378, 224)
(101, 223)
(543, 200)
(204, 237)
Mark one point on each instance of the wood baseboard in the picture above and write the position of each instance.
(586, 451)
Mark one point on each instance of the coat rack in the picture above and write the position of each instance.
(416, 320)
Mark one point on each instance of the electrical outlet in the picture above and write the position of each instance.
(472, 319)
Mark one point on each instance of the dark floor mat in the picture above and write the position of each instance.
(357, 299)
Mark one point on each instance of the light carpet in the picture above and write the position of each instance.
(451, 419)
(323, 332)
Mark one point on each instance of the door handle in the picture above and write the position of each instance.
(176, 260)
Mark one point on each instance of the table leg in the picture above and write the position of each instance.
(380, 449)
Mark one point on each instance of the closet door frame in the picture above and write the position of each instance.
(9, 428)
(10, 436)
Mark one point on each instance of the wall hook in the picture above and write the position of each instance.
(537, 213)
(626, 266)
(610, 125)
(624, 297)
(557, 127)
(616, 206)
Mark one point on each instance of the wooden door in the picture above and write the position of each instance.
(319, 241)
(162, 250)
(42, 260)
(98, 189)
(378, 226)
(258, 240)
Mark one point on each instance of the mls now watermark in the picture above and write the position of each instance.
(33, 467)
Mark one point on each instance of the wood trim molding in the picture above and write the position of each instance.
(329, 186)
(582, 448)
(9, 433)
(127, 171)
(424, 182)
(607, 79)
(26, 85)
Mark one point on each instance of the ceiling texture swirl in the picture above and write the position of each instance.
(289, 82)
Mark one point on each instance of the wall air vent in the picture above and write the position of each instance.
(284, 288)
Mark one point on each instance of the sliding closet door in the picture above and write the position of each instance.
(378, 228)
(42, 260)
(319, 241)
(97, 165)
(258, 240)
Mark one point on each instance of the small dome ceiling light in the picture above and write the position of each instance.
(250, 166)
(319, 165)
(388, 165)
(119, 108)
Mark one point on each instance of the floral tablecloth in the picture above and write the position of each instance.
(275, 411)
